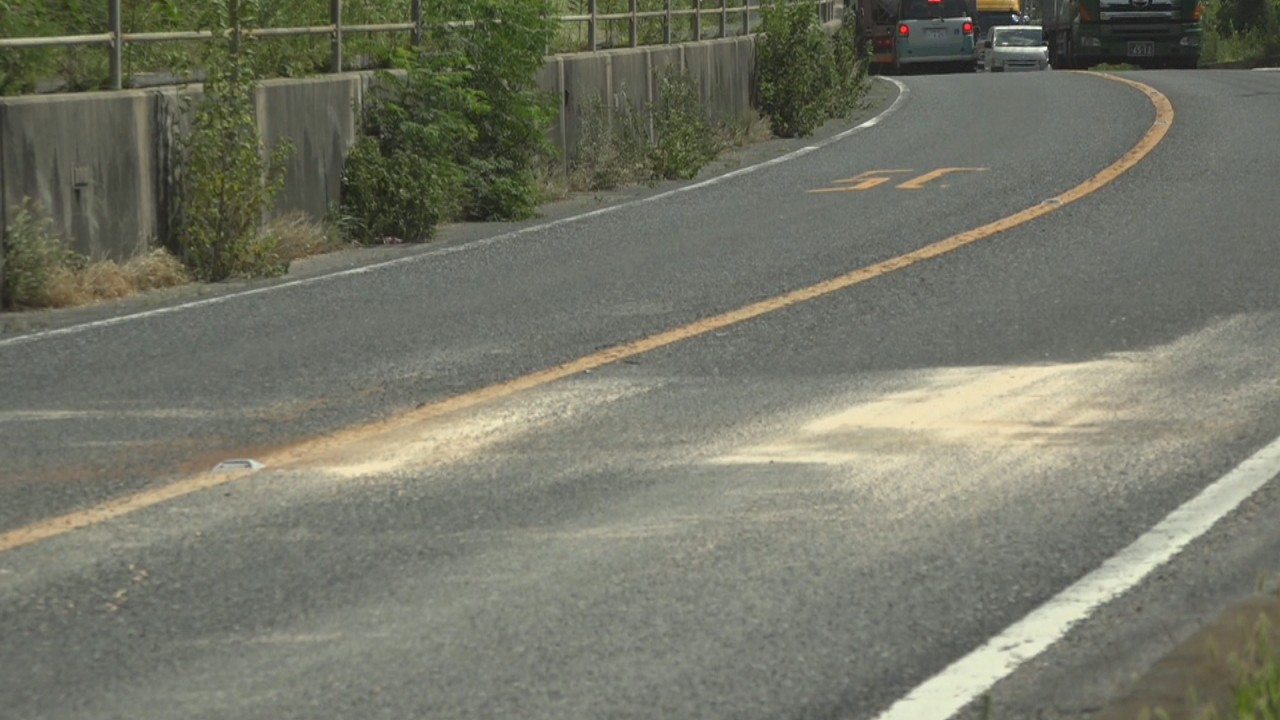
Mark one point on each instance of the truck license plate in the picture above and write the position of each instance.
(1145, 48)
(935, 34)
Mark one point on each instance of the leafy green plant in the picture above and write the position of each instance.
(684, 140)
(228, 181)
(502, 44)
(805, 76)
(406, 174)
(795, 66)
(849, 76)
(460, 132)
(33, 253)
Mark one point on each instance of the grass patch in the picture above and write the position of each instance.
(85, 283)
(1256, 694)
(672, 138)
(295, 235)
(40, 272)
(612, 149)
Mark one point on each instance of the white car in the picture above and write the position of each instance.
(1015, 47)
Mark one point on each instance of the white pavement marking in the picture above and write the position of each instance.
(948, 692)
(903, 92)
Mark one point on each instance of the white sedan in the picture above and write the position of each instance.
(1015, 47)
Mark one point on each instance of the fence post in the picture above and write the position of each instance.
(415, 16)
(724, 18)
(233, 18)
(591, 26)
(635, 23)
(335, 43)
(746, 17)
(117, 44)
(666, 26)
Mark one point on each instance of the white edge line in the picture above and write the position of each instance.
(485, 242)
(948, 692)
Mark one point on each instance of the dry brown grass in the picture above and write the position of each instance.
(90, 282)
(42, 273)
(298, 236)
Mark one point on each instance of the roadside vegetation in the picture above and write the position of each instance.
(457, 133)
(1241, 30)
(805, 75)
(616, 147)
(86, 68)
(39, 270)
(460, 134)
(1254, 692)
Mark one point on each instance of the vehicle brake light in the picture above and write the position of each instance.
(968, 28)
(904, 31)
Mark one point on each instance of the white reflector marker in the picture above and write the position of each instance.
(238, 465)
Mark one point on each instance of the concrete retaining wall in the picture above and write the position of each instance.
(103, 164)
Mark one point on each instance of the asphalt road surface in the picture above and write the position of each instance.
(476, 505)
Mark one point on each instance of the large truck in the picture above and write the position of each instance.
(1147, 33)
(908, 32)
(994, 13)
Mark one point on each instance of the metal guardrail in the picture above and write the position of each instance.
(719, 11)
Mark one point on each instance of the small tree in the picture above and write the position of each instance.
(796, 68)
(684, 140)
(502, 44)
(406, 174)
(461, 132)
(228, 181)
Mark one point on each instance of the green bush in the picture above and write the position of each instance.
(805, 76)
(227, 186)
(502, 45)
(684, 140)
(32, 254)
(796, 70)
(460, 133)
(849, 77)
(405, 175)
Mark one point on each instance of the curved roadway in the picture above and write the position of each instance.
(808, 513)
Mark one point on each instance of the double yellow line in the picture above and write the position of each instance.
(103, 512)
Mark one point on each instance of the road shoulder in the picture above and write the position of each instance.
(13, 324)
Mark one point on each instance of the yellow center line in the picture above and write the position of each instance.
(106, 511)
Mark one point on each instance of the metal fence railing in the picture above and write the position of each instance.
(725, 16)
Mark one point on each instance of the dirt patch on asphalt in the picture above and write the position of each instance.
(1206, 665)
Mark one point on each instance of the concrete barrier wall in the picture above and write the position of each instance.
(104, 164)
